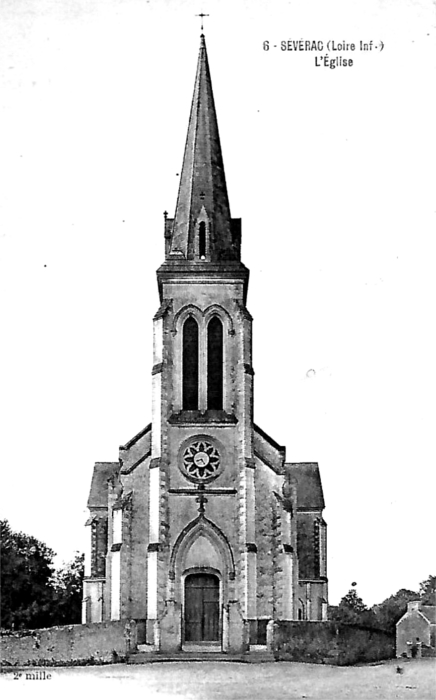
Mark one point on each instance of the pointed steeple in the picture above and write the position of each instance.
(202, 228)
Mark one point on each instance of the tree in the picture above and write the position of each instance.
(427, 591)
(67, 584)
(33, 593)
(26, 574)
(352, 611)
(390, 610)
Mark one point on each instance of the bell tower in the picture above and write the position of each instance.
(202, 441)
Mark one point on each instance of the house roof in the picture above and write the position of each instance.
(98, 492)
(309, 488)
(429, 611)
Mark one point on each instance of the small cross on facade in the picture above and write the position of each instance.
(201, 499)
(202, 15)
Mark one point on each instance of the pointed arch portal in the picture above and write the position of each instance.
(201, 578)
(199, 527)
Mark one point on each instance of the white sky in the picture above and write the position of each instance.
(332, 172)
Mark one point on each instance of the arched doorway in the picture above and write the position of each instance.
(202, 609)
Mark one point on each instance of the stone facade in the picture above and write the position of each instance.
(416, 631)
(201, 527)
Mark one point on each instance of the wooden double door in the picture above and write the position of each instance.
(202, 608)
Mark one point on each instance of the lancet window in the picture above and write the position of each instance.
(202, 241)
(190, 365)
(215, 364)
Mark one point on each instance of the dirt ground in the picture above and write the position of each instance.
(232, 681)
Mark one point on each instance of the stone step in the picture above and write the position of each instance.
(158, 657)
(147, 657)
(259, 656)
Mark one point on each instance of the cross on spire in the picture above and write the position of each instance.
(202, 15)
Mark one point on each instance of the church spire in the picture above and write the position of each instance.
(202, 228)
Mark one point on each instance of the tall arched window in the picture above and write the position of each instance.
(215, 364)
(190, 365)
(202, 241)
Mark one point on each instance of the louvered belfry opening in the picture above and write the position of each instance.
(202, 241)
(190, 365)
(215, 364)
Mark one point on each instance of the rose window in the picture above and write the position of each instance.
(201, 461)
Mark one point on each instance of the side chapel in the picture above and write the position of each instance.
(202, 528)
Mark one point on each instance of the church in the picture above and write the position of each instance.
(202, 530)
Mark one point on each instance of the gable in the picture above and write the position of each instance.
(267, 449)
(134, 452)
(142, 433)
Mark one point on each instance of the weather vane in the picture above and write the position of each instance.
(202, 15)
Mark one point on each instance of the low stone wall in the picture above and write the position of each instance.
(329, 642)
(427, 651)
(101, 642)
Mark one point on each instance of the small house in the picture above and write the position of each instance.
(416, 631)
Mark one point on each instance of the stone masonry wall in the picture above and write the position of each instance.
(265, 566)
(268, 540)
(97, 642)
(328, 642)
(135, 541)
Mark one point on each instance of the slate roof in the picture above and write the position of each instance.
(430, 613)
(98, 493)
(202, 181)
(309, 488)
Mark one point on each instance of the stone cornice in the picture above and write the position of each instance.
(207, 491)
(217, 418)
(198, 272)
(312, 511)
(321, 579)
(97, 579)
(136, 437)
